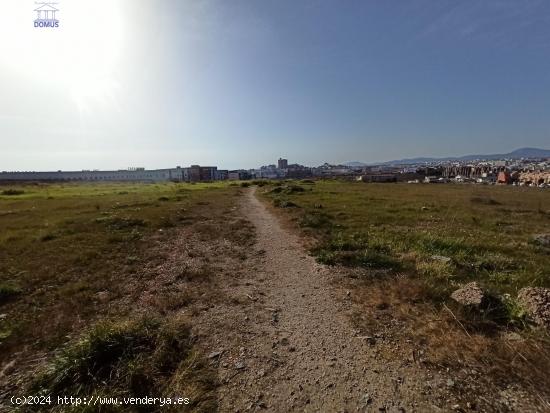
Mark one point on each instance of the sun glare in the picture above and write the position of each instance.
(78, 58)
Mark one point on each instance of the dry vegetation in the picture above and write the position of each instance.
(99, 285)
(409, 246)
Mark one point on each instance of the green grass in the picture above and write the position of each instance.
(485, 231)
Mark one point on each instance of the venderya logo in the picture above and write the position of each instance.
(46, 15)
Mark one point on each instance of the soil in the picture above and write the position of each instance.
(292, 347)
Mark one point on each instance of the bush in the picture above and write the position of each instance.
(245, 184)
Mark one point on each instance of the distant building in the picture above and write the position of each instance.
(282, 163)
(378, 178)
(238, 175)
(194, 173)
(222, 175)
(504, 177)
(298, 171)
(534, 178)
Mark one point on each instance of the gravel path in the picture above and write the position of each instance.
(291, 346)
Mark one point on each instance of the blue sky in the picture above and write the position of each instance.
(241, 83)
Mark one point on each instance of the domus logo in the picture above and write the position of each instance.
(45, 15)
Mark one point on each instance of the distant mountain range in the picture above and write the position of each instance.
(517, 154)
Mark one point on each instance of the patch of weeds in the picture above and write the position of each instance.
(164, 199)
(435, 269)
(287, 189)
(283, 203)
(130, 358)
(245, 184)
(11, 192)
(515, 313)
(364, 258)
(434, 245)
(260, 182)
(8, 291)
(316, 220)
(356, 250)
(353, 242)
(494, 262)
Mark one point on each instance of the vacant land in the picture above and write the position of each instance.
(99, 284)
(408, 247)
(326, 296)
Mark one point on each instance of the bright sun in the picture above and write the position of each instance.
(79, 57)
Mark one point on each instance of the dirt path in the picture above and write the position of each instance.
(290, 346)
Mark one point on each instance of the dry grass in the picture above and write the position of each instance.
(87, 267)
(446, 337)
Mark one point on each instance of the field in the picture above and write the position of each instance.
(207, 291)
(487, 232)
(409, 246)
(79, 277)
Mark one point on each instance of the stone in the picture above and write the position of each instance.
(470, 294)
(103, 296)
(441, 258)
(536, 302)
(542, 240)
(214, 354)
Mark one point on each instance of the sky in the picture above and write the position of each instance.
(238, 84)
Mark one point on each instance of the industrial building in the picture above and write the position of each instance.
(194, 173)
